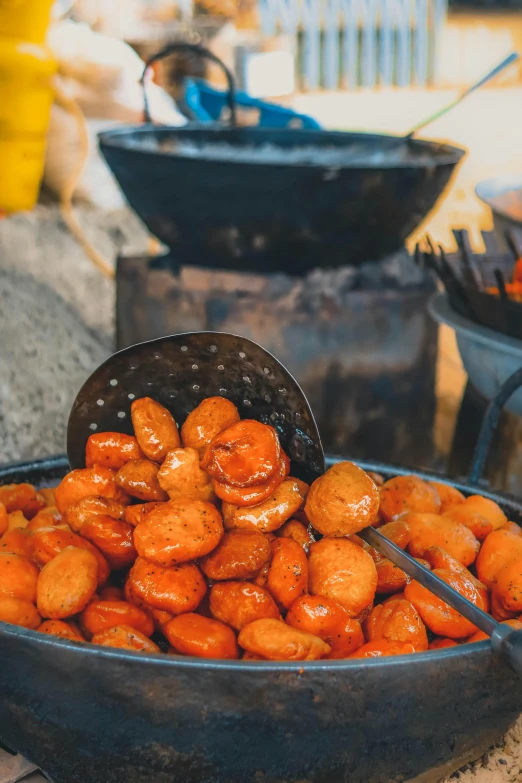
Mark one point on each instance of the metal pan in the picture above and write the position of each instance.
(503, 195)
(275, 200)
(96, 715)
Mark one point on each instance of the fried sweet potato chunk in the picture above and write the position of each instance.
(176, 590)
(155, 429)
(123, 637)
(269, 515)
(21, 497)
(179, 531)
(240, 555)
(382, 649)
(342, 501)
(86, 482)
(19, 612)
(328, 620)
(61, 629)
(288, 572)
(113, 538)
(437, 614)
(202, 637)
(298, 532)
(50, 541)
(277, 641)
(252, 496)
(397, 621)
(344, 572)
(498, 549)
(244, 455)
(408, 493)
(449, 496)
(18, 577)
(111, 449)
(211, 417)
(93, 506)
(239, 603)
(139, 478)
(429, 530)
(479, 514)
(181, 476)
(102, 615)
(67, 583)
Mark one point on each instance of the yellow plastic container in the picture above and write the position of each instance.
(26, 20)
(26, 96)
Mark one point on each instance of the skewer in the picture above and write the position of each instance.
(470, 274)
(499, 277)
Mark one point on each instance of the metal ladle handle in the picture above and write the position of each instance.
(505, 641)
(501, 66)
(199, 51)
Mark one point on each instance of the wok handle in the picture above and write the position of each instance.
(429, 580)
(489, 425)
(199, 51)
(507, 643)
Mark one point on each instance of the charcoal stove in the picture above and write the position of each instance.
(358, 339)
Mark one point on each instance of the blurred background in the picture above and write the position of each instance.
(81, 274)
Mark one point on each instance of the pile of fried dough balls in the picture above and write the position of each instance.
(199, 543)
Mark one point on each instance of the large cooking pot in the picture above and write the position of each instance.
(266, 199)
(99, 715)
(277, 213)
(503, 195)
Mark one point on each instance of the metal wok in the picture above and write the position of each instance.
(503, 195)
(97, 715)
(274, 199)
(285, 215)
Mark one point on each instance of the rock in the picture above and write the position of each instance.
(39, 243)
(46, 354)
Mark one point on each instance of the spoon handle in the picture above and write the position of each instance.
(429, 580)
(509, 60)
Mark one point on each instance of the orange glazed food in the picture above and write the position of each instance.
(200, 542)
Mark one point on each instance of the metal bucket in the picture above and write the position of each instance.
(489, 357)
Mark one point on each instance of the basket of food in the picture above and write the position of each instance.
(184, 606)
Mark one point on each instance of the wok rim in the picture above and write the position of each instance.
(441, 310)
(477, 649)
(452, 154)
(211, 664)
(488, 191)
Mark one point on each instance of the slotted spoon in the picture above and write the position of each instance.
(182, 370)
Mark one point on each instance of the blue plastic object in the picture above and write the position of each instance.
(207, 104)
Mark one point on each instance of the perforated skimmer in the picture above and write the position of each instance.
(182, 370)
